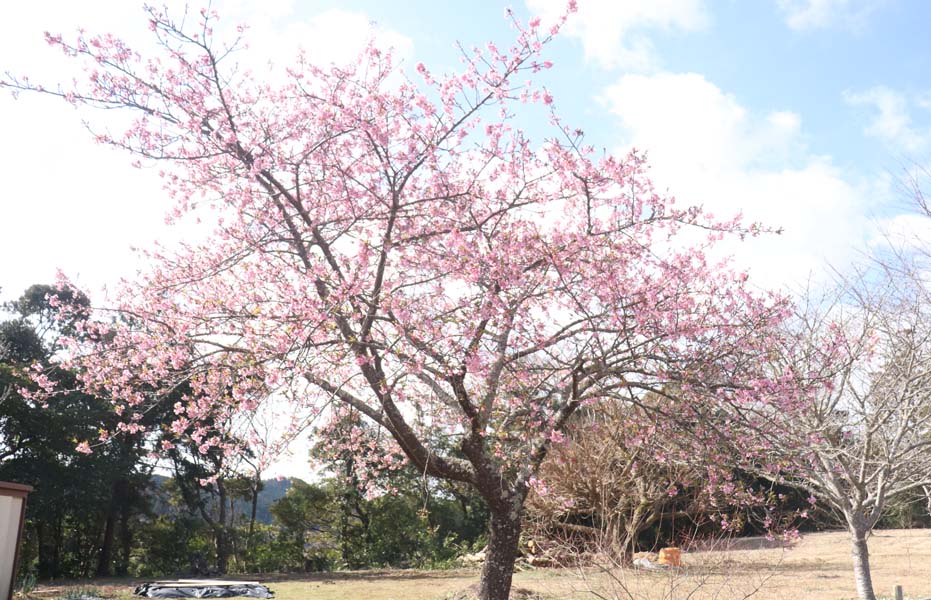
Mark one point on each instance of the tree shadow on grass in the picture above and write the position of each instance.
(367, 575)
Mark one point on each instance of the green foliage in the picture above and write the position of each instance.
(275, 550)
(80, 593)
(20, 345)
(402, 535)
(307, 518)
(906, 513)
(330, 525)
(168, 546)
(79, 498)
(27, 584)
(34, 305)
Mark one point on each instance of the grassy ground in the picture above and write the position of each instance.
(818, 567)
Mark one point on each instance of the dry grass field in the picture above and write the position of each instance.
(817, 567)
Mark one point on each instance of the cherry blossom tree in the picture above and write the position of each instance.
(391, 242)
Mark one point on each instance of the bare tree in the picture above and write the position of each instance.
(612, 480)
(863, 439)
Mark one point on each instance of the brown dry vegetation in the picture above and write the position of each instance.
(817, 567)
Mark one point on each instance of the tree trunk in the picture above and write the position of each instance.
(46, 570)
(344, 541)
(498, 570)
(105, 555)
(126, 542)
(256, 488)
(220, 532)
(59, 537)
(223, 550)
(861, 562)
(623, 549)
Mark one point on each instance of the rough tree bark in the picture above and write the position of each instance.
(498, 570)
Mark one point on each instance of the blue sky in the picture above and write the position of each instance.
(805, 56)
(753, 52)
(799, 113)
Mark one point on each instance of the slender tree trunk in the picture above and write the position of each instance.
(344, 541)
(45, 567)
(220, 531)
(59, 537)
(346, 508)
(623, 549)
(464, 504)
(105, 555)
(235, 549)
(126, 539)
(223, 550)
(256, 488)
(861, 561)
(498, 570)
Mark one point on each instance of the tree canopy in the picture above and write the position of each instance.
(390, 241)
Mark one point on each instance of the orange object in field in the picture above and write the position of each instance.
(670, 556)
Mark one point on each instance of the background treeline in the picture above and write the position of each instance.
(111, 512)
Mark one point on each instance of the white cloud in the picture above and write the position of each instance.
(706, 148)
(910, 231)
(803, 15)
(335, 36)
(611, 31)
(892, 123)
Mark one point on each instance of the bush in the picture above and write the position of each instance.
(168, 545)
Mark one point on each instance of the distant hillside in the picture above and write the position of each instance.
(272, 491)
